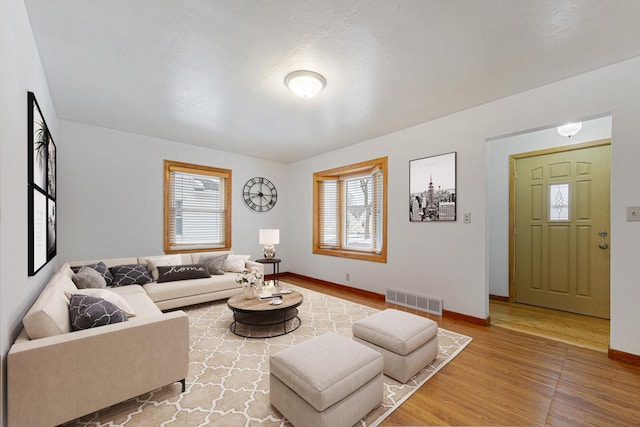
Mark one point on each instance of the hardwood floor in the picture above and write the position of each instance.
(582, 331)
(505, 377)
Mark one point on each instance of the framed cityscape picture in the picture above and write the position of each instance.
(432, 188)
(41, 188)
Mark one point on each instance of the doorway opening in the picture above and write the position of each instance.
(503, 310)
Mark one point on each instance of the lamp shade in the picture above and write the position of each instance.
(269, 236)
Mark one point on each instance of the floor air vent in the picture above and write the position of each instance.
(424, 303)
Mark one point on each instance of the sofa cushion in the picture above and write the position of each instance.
(49, 315)
(130, 274)
(87, 277)
(89, 312)
(215, 264)
(153, 262)
(235, 263)
(100, 267)
(62, 280)
(172, 273)
(107, 295)
(187, 288)
(138, 299)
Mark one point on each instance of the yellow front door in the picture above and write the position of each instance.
(561, 229)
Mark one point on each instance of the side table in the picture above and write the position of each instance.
(276, 267)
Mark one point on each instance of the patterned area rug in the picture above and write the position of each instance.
(228, 382)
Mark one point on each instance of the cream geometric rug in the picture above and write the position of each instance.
(228, 381)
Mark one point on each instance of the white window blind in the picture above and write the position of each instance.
(363, 213)
(329, 213)
(198, 210)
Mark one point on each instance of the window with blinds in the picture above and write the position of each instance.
(350, 211)
(197, 207)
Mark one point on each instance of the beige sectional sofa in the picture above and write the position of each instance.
(55, 375)
(169, 295)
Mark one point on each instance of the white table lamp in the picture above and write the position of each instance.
(269, 237)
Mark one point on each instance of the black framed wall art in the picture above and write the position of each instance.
(41, 188)
(432, 188)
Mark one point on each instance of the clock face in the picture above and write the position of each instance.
(260, 194)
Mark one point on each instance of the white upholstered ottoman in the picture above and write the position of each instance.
(327, 381)
(407, 342)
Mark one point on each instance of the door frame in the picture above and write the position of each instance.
(512, 198)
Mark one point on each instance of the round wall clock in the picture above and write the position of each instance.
(260, 194)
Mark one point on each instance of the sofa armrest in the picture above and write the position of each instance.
(250, 264)
(57, 379)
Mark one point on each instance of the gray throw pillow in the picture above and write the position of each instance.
(130, 274)
(101, 268)
(87, 277)
(88, 312)
(214, 263)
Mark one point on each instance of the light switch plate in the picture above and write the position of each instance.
(633, 213)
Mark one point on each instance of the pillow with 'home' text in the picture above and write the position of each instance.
(171, 273)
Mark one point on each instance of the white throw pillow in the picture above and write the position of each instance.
(107, 295)
(235, 263)
(153, 262)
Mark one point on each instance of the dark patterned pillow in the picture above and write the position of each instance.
(101, 268)
(215, 264)
(130, 274)
(88, 312)
(172, 273)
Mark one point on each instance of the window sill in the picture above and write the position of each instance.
(341, 253)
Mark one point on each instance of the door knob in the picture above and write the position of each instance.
(602, 233)
(603, 245)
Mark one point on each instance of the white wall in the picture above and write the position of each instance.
(498, 152)
(436, 259)
(451, 260)
(110, 201)
(21, 71)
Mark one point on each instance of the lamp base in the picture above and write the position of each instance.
(269, 251)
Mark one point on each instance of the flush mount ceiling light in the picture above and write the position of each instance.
(570, 129)
(305, 84)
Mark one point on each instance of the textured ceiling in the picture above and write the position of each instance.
(211, 73)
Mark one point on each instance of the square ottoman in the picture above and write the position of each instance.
(407, 342)
(329, 380)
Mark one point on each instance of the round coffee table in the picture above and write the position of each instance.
(255, 318)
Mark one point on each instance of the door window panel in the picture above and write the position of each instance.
(559, 202)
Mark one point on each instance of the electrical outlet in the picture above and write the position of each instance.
(466, 218)
(633, 213)
(347, 277)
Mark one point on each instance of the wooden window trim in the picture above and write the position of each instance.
(341, 172)
(173, 166)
